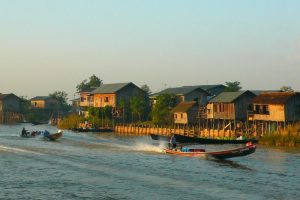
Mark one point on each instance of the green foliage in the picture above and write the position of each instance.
(233, 86)
(146, 88)
(37, 116)
(61, 97)
(93, 82)
(107, 112)
(138, 106)
(161, 111)
(25, 104)
(286, 89)
(71, 121)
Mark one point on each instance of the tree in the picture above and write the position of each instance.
(146, 88)
(93, 82)
(161, 111)
(61, 97)
(25, 104)
(286, 89)
(138, 106)
(232, 86)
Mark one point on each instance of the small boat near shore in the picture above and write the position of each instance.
(199, 152)
(197, 140)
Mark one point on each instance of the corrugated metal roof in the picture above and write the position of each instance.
(184, 106)
(274, 97)
(180, 90)
(228, 97)
(109, 88)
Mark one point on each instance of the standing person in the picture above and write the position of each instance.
(173, 143)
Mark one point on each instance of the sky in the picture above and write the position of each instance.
(53, 45)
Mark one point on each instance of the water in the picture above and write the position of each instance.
(106, 166)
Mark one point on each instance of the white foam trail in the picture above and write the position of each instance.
(17, 150)
(144, 146)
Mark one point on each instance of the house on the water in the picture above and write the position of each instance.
(229, 107)
(110, 95)
(113, 94)
(184, 94)
(44, 103)
(86, 99)
(186, 113)
(10, 108)
(274, 109)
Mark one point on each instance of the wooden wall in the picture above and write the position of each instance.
(276, 113)
(99, 100)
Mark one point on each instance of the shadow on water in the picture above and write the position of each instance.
(230, 163)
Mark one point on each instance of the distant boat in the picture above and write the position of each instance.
(38, 123)
(197, 140)
(197, 152)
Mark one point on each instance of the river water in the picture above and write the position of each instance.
(108, 166)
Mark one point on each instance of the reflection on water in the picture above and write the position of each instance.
(107, 166)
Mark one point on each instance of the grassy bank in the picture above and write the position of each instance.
(289, 137)
(70, 121)
(75, 121)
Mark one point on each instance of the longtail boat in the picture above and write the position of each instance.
(54, 136)
(198, 152)
(197, 140)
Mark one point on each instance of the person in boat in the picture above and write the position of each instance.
(173, 143)
(24, 132)
(46, 133)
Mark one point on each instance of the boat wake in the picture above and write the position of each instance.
(142, 146)
(18, 150)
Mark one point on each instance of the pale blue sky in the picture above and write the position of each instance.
(53, 45)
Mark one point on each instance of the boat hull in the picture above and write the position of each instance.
(243, 151)
(54, 136)
(186, 139)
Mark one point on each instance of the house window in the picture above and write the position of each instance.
(181, 115)
(175, 116)
(82, 99)
(106, 99)
(261, 109)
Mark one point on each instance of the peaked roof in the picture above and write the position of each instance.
(3, 96)
(37, 98)
(110, 88)
(274, 97)
(209, 87)
(184, 106)
(180, 90)
(258, 92)
(89, 90)
(228, 97)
